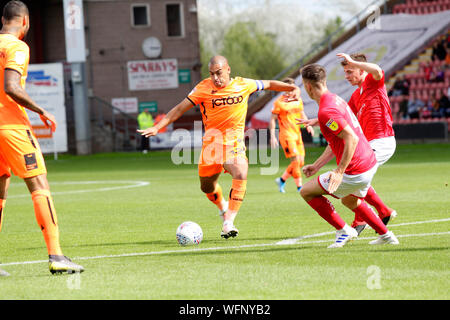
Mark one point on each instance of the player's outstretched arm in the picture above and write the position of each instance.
(175, 113)
(371, 68)
(18, 94)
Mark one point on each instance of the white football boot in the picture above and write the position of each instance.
(387, 238)
(229, 230)
(343, 236)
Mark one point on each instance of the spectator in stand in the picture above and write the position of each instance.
(444, 105)
(435, 107)
(427, 70)
(447, 58)
(403, 109)
(439, 52)
(414, 106)
(425, 112)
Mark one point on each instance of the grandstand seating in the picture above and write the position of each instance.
(416, 71)
(421, 7)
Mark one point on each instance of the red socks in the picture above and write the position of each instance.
(326, 210)
(366, 213)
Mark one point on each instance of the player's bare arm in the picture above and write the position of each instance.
(325, 157)
(371, 68)
(308, 122)
(273, 138)
(350, 143)
(175, 113)
(308, 127)
(18, 94)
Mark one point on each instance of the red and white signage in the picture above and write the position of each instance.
(153, 74)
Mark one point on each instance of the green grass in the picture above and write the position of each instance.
(95, 223)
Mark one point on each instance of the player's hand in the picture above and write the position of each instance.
(308, 122)
(273, 142)
(310, 170)
(310, 130)
(346, 57)
(334, 181)
(149, 132)
(49, 120)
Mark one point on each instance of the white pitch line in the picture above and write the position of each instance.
(197, 249)
(299, 239)
(132, 184)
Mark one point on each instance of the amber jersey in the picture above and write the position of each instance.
(287, 113)
(224, 109)
(15, 55)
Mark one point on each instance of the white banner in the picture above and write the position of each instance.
(45, 85)
(127, 105)
(74, 30)
(153, 74)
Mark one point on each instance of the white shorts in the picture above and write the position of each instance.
(357, 184)
(383, 148)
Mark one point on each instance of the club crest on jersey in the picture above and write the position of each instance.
(332, 125)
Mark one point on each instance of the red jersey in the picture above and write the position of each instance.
(370, 103)
(334, 115)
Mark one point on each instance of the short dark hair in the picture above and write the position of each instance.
(361, 57)
(15, 9)
(288, 80)
(314, 73)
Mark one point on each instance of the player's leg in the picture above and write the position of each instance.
(384, 149)
(292, 153)
(209, 170)
(47, 220)
(238, 169)
(313, 193)
(360, 207)
(22, 152)
(4, 184)
(213, 191)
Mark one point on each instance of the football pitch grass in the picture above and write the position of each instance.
(118, 214)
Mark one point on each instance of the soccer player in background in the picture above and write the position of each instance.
(286, 112)
(370, 103)
(356, 163)
(223, 103)
(19, 148)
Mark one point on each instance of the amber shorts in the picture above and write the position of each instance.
(214, 156)
(292, 148)
(20, 152)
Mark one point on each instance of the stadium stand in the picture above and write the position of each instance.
(412, 46)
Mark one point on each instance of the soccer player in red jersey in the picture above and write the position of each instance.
(370, 103)
(356, 163)
(223, 103)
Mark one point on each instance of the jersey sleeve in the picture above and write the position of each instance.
(254, 85)
(17, 57)
(197, 95)
(375, 83)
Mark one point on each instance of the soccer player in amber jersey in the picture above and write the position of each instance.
(223, 104)
(19, 148)
(370, 103)
(286, 112)
(356, 163)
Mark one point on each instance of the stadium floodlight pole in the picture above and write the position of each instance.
(76, 55)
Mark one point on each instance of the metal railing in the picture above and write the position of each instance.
(117, 127)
